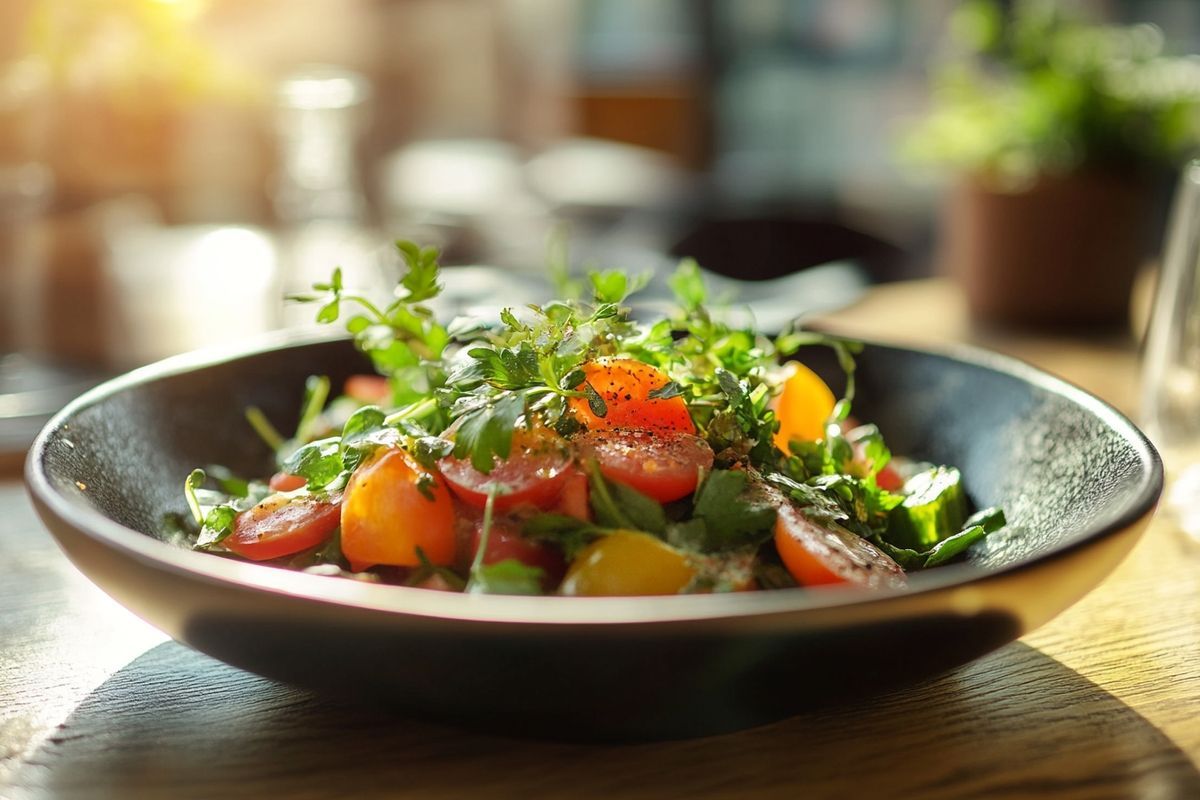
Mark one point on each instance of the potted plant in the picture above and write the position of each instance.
(1057, 129)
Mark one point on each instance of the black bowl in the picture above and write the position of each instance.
(1078, 481)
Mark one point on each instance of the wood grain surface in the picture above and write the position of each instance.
(1103, 702)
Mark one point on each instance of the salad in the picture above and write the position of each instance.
(568, 449)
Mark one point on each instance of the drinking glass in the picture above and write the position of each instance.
(1170, 406)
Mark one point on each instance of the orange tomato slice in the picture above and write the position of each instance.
(625, 386)
(803, 407)
(392, 507)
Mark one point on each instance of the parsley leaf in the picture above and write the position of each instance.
(618, 506)
(731, 520)
(317, 462)
(508, 576)
(218, 524)
(486, 432)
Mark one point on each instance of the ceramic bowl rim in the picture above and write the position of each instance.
(591, 611)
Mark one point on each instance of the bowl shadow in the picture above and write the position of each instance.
(1015, 723)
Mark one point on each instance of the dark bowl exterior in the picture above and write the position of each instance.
(1078, 480)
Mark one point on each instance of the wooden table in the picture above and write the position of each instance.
(1102, 702)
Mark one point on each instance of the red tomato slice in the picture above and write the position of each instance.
(280, 526)
(625, 385)
(532, 475)
(829, 554)
(505, 541)
(369, 389)
(573, 499)
(283, 482)
(393, 507)
(664, 465)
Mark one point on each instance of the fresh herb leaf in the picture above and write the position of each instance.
(485, 434)
(218, 524)
(360, 436)
(610, 286)
(509, 576)
(428, 450)
(420, 281)
(595, 402)
(363, 422)
(317, 462)
(666, 391)
(992, 519)
(819, 505)
(618, 506)
(227, 481)
(730, 518)
(688, 285)
(955, 545)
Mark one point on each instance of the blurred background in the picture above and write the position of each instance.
(169, 169)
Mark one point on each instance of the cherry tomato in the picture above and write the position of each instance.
(368, 389)
(628, 563)
(803, 407)
(625, 386)
(573, 499)
(664, 465)
(392, 507)
(532, 475)
(505, 541)
(888, 478)
(281, 525)
(829, 554)
(283, 482)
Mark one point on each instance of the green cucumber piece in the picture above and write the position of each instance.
(934, 508)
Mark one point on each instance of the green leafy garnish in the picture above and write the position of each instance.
(465, 390)
(619, 506)
(319, 462)
(954, 545)
(508, 576)
(731, 520)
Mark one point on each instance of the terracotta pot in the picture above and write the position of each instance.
(1063, 252)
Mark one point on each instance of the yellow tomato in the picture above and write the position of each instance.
(803, 407)
(628, 563)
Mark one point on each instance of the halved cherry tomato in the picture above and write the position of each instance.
(803, 407)
(368, 389)
(281, 525)
(283, 482)
(664, 465)
(505, 541)
(628, 563)
(533, 474)
(625, 385)
(829, 554)
(393, 507)
(573, 499)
